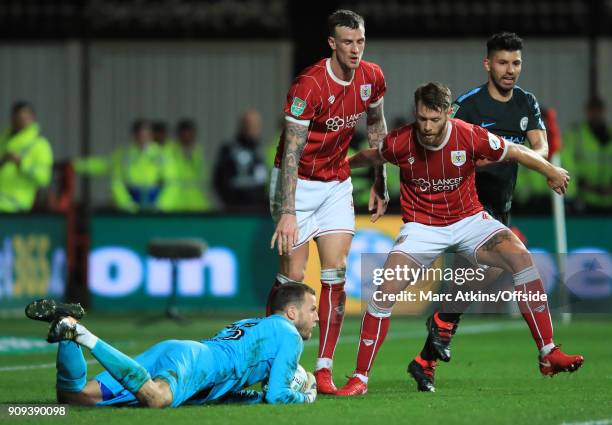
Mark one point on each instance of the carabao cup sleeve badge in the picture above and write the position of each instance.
(298, 106)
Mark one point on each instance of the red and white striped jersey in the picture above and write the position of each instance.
(438, 183)
(331, 108)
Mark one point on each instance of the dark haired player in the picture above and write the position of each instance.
(508, 111)
(310, 186)
(173, 373)
(437, 157)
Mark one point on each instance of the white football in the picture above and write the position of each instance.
(299, 379)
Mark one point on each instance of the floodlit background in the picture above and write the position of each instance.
(200, 85)
(220, 71)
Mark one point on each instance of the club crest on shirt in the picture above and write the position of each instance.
(458, 158)
(411, 160)
(331, 99)
(524, 122)
(298, 106)
(365, 91)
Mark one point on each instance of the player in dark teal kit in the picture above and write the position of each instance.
(508, 111)
(513, 114)
(176, 372)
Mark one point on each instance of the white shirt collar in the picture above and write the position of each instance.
(449, 128)
(333, 76)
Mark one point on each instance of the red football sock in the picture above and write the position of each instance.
(373, 333)
(273, 289)
(447, 322)
(424, 362)
(536, 313)
(331, 316)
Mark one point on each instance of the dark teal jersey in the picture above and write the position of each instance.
(510, 120)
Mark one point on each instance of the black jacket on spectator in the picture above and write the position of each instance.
(240, 175)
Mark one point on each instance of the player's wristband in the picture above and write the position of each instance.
(287, 211)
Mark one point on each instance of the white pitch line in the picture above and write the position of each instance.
(347, 339)
(33, 366)
(592, 422)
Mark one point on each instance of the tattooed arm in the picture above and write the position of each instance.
(366, 158)
(286, 233)
(377, 130)
(295, 140)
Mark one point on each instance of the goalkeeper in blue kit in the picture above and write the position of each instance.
(173, 373)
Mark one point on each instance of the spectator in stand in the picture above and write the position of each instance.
(240, 176)
(136, 171)
(184, 172)
(587, 154)
(26, 161)
(160, 133)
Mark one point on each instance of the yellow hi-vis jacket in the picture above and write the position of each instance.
(20, 182)
(184, 180)
(590, 165)
(136, 176)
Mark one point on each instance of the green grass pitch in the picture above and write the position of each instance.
(493, 377)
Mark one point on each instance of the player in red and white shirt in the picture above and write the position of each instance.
(310, 186)
(440, 208)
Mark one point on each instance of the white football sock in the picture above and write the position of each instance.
(84, 337)
(324, 363)
(363, 378)
(547, 349)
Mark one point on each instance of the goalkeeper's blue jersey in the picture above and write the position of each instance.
(253, 350)
(242, 354)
